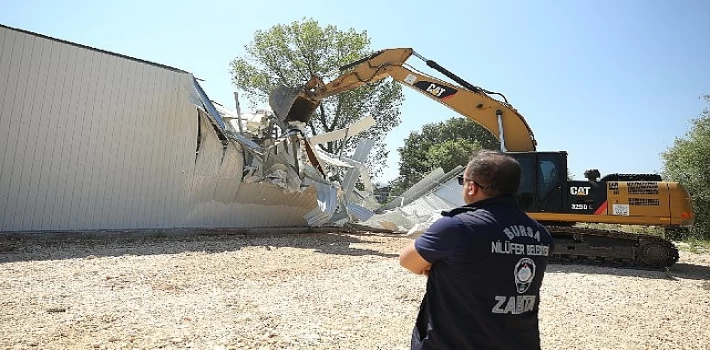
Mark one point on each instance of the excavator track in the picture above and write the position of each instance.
(611, 248)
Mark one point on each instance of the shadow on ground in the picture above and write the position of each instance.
(38, 247)
(55, 246)
(679, 270)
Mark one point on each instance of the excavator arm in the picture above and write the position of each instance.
(498, 117)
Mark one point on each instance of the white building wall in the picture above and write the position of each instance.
(92, 140)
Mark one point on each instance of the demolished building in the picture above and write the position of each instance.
(418, 207)
(96, 140)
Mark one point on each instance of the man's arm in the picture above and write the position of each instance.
(444, 238)
(410, 259)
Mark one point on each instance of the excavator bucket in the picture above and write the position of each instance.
(294, 103)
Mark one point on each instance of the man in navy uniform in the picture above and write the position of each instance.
(485, 262)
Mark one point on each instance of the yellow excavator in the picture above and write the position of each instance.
(545, 192)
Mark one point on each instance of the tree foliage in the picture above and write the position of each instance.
(688, 162)
(446, 144)
(290, 54)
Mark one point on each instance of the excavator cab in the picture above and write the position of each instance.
(544, 181)
(548, 195)
(545, 187)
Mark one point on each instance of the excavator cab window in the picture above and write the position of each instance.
(543, 181)
(551, 181)
(526, 191)
(548, 177)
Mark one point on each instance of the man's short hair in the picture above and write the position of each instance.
(497, 172)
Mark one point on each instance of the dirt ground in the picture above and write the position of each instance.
(304, 291)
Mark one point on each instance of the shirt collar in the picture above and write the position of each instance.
(507, 200)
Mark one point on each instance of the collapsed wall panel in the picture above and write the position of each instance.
(95, 140)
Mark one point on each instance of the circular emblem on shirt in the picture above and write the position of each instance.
(524, 274)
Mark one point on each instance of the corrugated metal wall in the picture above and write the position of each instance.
(93, 140)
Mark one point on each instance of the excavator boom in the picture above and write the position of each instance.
(498, 117)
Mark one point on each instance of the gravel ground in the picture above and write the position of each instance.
(304, 291)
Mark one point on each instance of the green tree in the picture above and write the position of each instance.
(688, 162)
(289, 55)
(446, 144)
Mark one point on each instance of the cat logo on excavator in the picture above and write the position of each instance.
(434, 89)
(579, 191)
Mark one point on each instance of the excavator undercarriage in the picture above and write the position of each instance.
(580, 245)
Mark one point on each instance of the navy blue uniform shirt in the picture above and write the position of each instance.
(483, 289)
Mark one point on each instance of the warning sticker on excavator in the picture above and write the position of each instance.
(410, 79)
(620, 209)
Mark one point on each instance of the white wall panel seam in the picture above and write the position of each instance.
(36, 135)
(16, 140)
(47, 172)
(7, 133)
(78, 116)
(70, 138)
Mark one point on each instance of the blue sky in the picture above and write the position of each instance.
(613, 83)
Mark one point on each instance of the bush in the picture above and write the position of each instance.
(688, 162)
